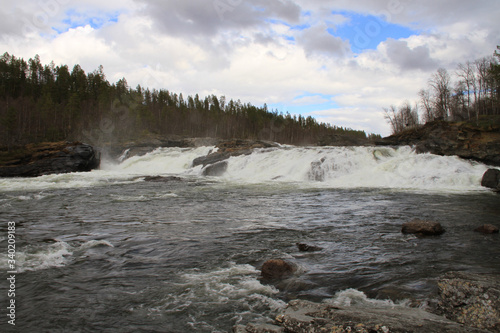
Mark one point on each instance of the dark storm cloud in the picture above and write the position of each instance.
(410, 59)
(208, 18)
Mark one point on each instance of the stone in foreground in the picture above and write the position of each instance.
(471, 299)
(304, 316)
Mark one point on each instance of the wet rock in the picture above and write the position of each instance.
(49, 158)
(487, 229)
(258, 328)
(491, 179)
(161, 179)
(229, 148)
(277, 269)
(215, 170)
(308, 248)
(304, 316)
(470, 299)
(422, 228)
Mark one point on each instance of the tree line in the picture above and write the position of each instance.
(51, 103)
(469, 93)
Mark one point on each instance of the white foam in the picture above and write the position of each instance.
(234, 282)
(37, 258)
(44, 256)
(356, 298)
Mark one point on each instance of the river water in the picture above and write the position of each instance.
(107, 251)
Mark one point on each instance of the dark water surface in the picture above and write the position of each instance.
(183, 256)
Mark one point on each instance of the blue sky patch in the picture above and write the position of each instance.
(367, 32)
(306, 103)
(75, 19)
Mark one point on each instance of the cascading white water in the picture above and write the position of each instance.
(330, 167)
(357, 167)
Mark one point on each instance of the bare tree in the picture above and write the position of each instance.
(425, 101)
(466, 73)
(440, 84)
(401, 118)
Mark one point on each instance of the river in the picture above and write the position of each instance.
(108, 251)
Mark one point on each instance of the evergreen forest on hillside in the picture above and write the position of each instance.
(51, 103)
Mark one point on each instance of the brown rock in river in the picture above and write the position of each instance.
(276, 269)
(422, 228)
(487, 229)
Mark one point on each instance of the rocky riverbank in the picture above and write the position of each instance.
(447, 139)
(48, 158)
(468, 303)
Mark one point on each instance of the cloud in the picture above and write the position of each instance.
(289, 53)
(317, 40)
(193, 18)
(410, 58)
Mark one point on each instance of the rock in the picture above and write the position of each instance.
(215, 170)
(304, 316)
(229, 148)
(211, 158)
(277, 269)
(460, 139)
(422, 228)
(491, 179)
(160, 179)
(258, 328)
(487, 229)
(470, 299)
(49, 158)
(308, 248)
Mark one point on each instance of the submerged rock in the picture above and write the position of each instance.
(487, 229)
(491, 179)
(49, 158)
(422, 228)
(276, 269)
(308, 248)
(471, 299)
(161, 179)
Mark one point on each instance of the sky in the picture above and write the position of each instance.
(340, 61)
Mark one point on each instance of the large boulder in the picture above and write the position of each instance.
(277, 269)
(491, 179)
(215, 170)
(422, 228)
(471, 299)
(49, 158)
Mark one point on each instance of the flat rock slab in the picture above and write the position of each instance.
(303, 316)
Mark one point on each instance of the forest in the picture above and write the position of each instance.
(471, 93)
(40, 103)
